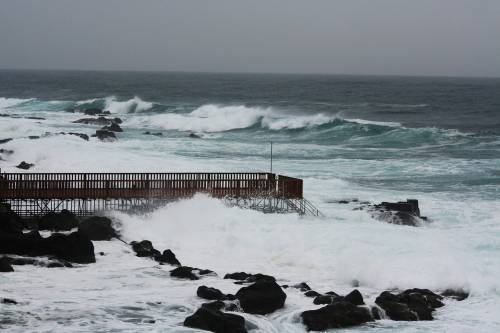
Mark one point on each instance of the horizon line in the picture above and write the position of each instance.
(245, 73)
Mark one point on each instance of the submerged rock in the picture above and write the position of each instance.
(404, 213)
(213, 320)
(153, 133)
(262, 297)
(102, 121)
(410, 305)
(337, 315)
(114, 127)
(94, 111)
(456, 294)
(97, 228)
(105, 135)
(8, 301)
(24, 165)
(62, 221)
(302, 286)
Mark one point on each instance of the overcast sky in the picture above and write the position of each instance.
(393, 37)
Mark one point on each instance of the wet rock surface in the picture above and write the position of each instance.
(262, 297)
(113, 127)
(104, 135)
(456, 294)
(5, 265)
(75, 247)
(190, 273)
(97, 228)
(336, 315)
(213, 320)
(410, 305)
(58, 221)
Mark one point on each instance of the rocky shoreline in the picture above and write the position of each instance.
(70, 243)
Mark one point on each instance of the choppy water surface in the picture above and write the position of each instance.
(371, 138)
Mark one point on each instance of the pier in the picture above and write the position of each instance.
(84, 194)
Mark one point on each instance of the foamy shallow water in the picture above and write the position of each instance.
(459, 248)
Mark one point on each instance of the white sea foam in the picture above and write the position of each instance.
(129, 106)
(216, 118)
(10, 102)
(372, 122)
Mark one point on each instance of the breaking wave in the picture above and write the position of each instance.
(6, 103)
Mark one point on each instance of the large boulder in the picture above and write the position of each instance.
(209, 319)
(209, 293)
(75, 247)
(5, 265)
(62, 221)
(97, 228)
(410, 305)
(10, 222)
(168, 257)
(262, 297)
(144, 248)
(336, 315)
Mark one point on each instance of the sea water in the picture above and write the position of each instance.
(349, 137)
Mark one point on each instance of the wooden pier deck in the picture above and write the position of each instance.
(32, 194)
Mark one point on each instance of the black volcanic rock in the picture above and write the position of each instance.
(102, 121)
(105, 135)
(456, 294)
(75, 247)
(206, 318)
(62, 221)
(25, 166)
(249, 278)
(337, 315)
(410, 305)
(404, 213)
(168, 257)
(354, 297)
(114, 127)
(190, 273)
(5, 265)
(262, 297)
(97, 228)
(209, 293)
(5, 140)
(144, 248)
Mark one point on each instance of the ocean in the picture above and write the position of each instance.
(348, 137)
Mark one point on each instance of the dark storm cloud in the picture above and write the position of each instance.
(424, 37)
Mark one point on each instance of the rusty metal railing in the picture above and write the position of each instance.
(65, 186)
